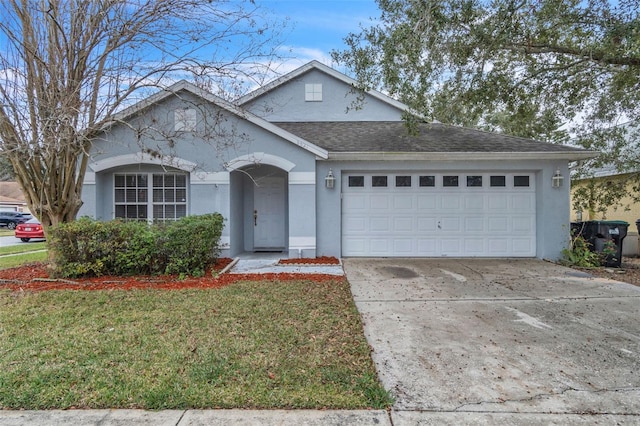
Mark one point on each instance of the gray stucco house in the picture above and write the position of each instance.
(297, 166)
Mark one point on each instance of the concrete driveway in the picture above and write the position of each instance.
(452, 337)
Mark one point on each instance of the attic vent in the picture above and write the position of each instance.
(185, 120)
(313, 92)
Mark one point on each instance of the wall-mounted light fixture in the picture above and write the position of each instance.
(330, 180)
(557, 179)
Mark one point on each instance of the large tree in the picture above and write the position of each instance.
(67, 66)
(555, 70)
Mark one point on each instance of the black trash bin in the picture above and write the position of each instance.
(600, 233)
(638, 225)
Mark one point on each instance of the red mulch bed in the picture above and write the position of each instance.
(323, 260)
(34, 277)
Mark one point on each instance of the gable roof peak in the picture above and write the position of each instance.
(315, 64)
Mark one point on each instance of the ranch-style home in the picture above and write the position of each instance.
(309, 166)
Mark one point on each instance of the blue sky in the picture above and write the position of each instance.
(319, 26)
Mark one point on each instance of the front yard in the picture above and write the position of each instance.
(260, 342)
(252, 344)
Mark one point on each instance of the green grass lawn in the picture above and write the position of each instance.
(13, 256)
(258, 344)
(4, 232)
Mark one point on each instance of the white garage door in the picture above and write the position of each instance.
(438, 214)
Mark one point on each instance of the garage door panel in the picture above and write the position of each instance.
(403, 224)
(379, 201)
(522, 202)
(427, 247)
(427, 224)
(450, 202)
(474, 246)
(355, 202)
(379, 224)
(474, 202)
(498, 202)
(474, 224)
(438, 221)
(401, 202)
(451, 247)
(356, 224)
(403, 246)
(522, 245)
(498, 246)
(427, 202)
(379, 246)
(451, 224)
(498, 224)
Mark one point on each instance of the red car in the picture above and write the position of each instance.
(30, 229)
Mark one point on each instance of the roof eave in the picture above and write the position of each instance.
(461, 156)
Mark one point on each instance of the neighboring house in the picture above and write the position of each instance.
(627, 210)
(11, 198)
(297, 166)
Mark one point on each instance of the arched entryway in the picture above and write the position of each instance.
(259, 209)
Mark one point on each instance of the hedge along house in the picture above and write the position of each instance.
(294, 167)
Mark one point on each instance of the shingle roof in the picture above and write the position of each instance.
(393, 136)
(11, 191)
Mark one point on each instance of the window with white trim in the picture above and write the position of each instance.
(168, 199)
(313, 92)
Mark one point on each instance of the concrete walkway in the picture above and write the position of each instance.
(264, 263)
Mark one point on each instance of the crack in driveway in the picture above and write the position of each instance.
(467, 406)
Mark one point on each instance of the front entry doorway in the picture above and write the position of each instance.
(269, 214)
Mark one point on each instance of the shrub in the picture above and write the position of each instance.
(579, 254)
(190, 243)
(91, 248)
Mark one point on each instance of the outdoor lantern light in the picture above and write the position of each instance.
(330, 180)
(557, 179)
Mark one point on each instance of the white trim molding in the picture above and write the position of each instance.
(216, 178)
(141, 158)
(302, 178)
(302, 243)
(461, 156)
(256, 158)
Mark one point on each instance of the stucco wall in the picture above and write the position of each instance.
(209, 159)
(287, 102)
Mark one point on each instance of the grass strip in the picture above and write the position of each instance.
(255, 344)
(23, 248)
(13, 256)
(22, 259)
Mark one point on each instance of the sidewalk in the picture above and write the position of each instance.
(297, 417)
(195, 417)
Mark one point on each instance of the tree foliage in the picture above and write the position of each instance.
(554, 70)
(67, 66)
